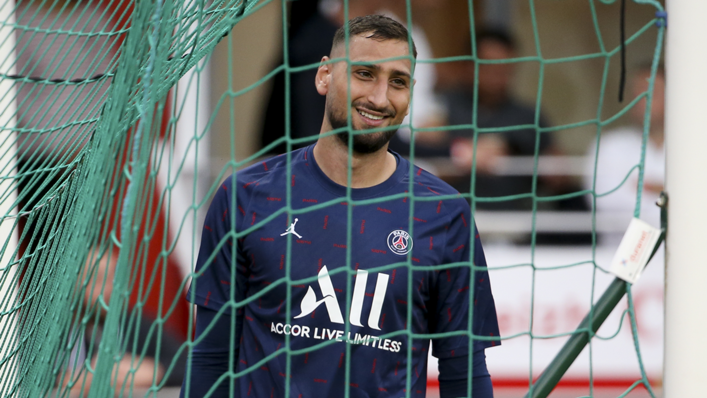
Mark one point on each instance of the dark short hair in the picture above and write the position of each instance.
(381, 28)
(498, 35)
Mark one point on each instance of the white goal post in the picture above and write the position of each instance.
(685, 363)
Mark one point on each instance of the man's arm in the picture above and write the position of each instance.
(453, 309)
(211, 356)
(221, 266)
(453, 377)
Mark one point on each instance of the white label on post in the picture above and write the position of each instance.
(635, 249)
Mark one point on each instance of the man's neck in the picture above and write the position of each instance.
(367, 170)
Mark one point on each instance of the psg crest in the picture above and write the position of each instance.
(399, 242)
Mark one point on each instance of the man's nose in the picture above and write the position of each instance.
(379, 95)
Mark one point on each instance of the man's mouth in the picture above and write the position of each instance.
(369, 115)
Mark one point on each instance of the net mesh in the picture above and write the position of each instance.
(88, 126)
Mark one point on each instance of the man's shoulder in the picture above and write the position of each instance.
(268, 171)
(429, 185)
(263, 176)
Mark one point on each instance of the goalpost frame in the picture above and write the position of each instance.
(685, 361)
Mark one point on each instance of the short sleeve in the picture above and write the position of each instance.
(213, 280)
(454, 286)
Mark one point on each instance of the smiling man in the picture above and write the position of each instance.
(380, 92)
(342, 301)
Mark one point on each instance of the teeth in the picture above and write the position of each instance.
(368, 115)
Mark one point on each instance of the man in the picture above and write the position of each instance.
(614, 162)
(497, 108)
(332, 284)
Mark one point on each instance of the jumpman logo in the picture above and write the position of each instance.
(291, 230)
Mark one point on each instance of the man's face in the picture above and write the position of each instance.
(380, 91)
(494, 79)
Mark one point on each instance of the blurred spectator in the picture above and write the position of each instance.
(496, 109)
(427, 108)
(311, 32)
(310, 38)
(619, 154)
(135, 337)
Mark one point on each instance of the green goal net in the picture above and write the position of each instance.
(95, 154)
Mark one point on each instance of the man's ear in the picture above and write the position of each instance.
(323, 78)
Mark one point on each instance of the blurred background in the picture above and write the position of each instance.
(564, 29)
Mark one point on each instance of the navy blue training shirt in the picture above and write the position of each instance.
(382, 287)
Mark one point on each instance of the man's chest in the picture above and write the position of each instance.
(335, 264)
(363, 237)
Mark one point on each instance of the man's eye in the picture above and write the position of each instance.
(400, 82)
(364, 73)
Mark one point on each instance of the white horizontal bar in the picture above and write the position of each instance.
(520, 222)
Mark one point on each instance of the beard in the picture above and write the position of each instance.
(362, 143)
